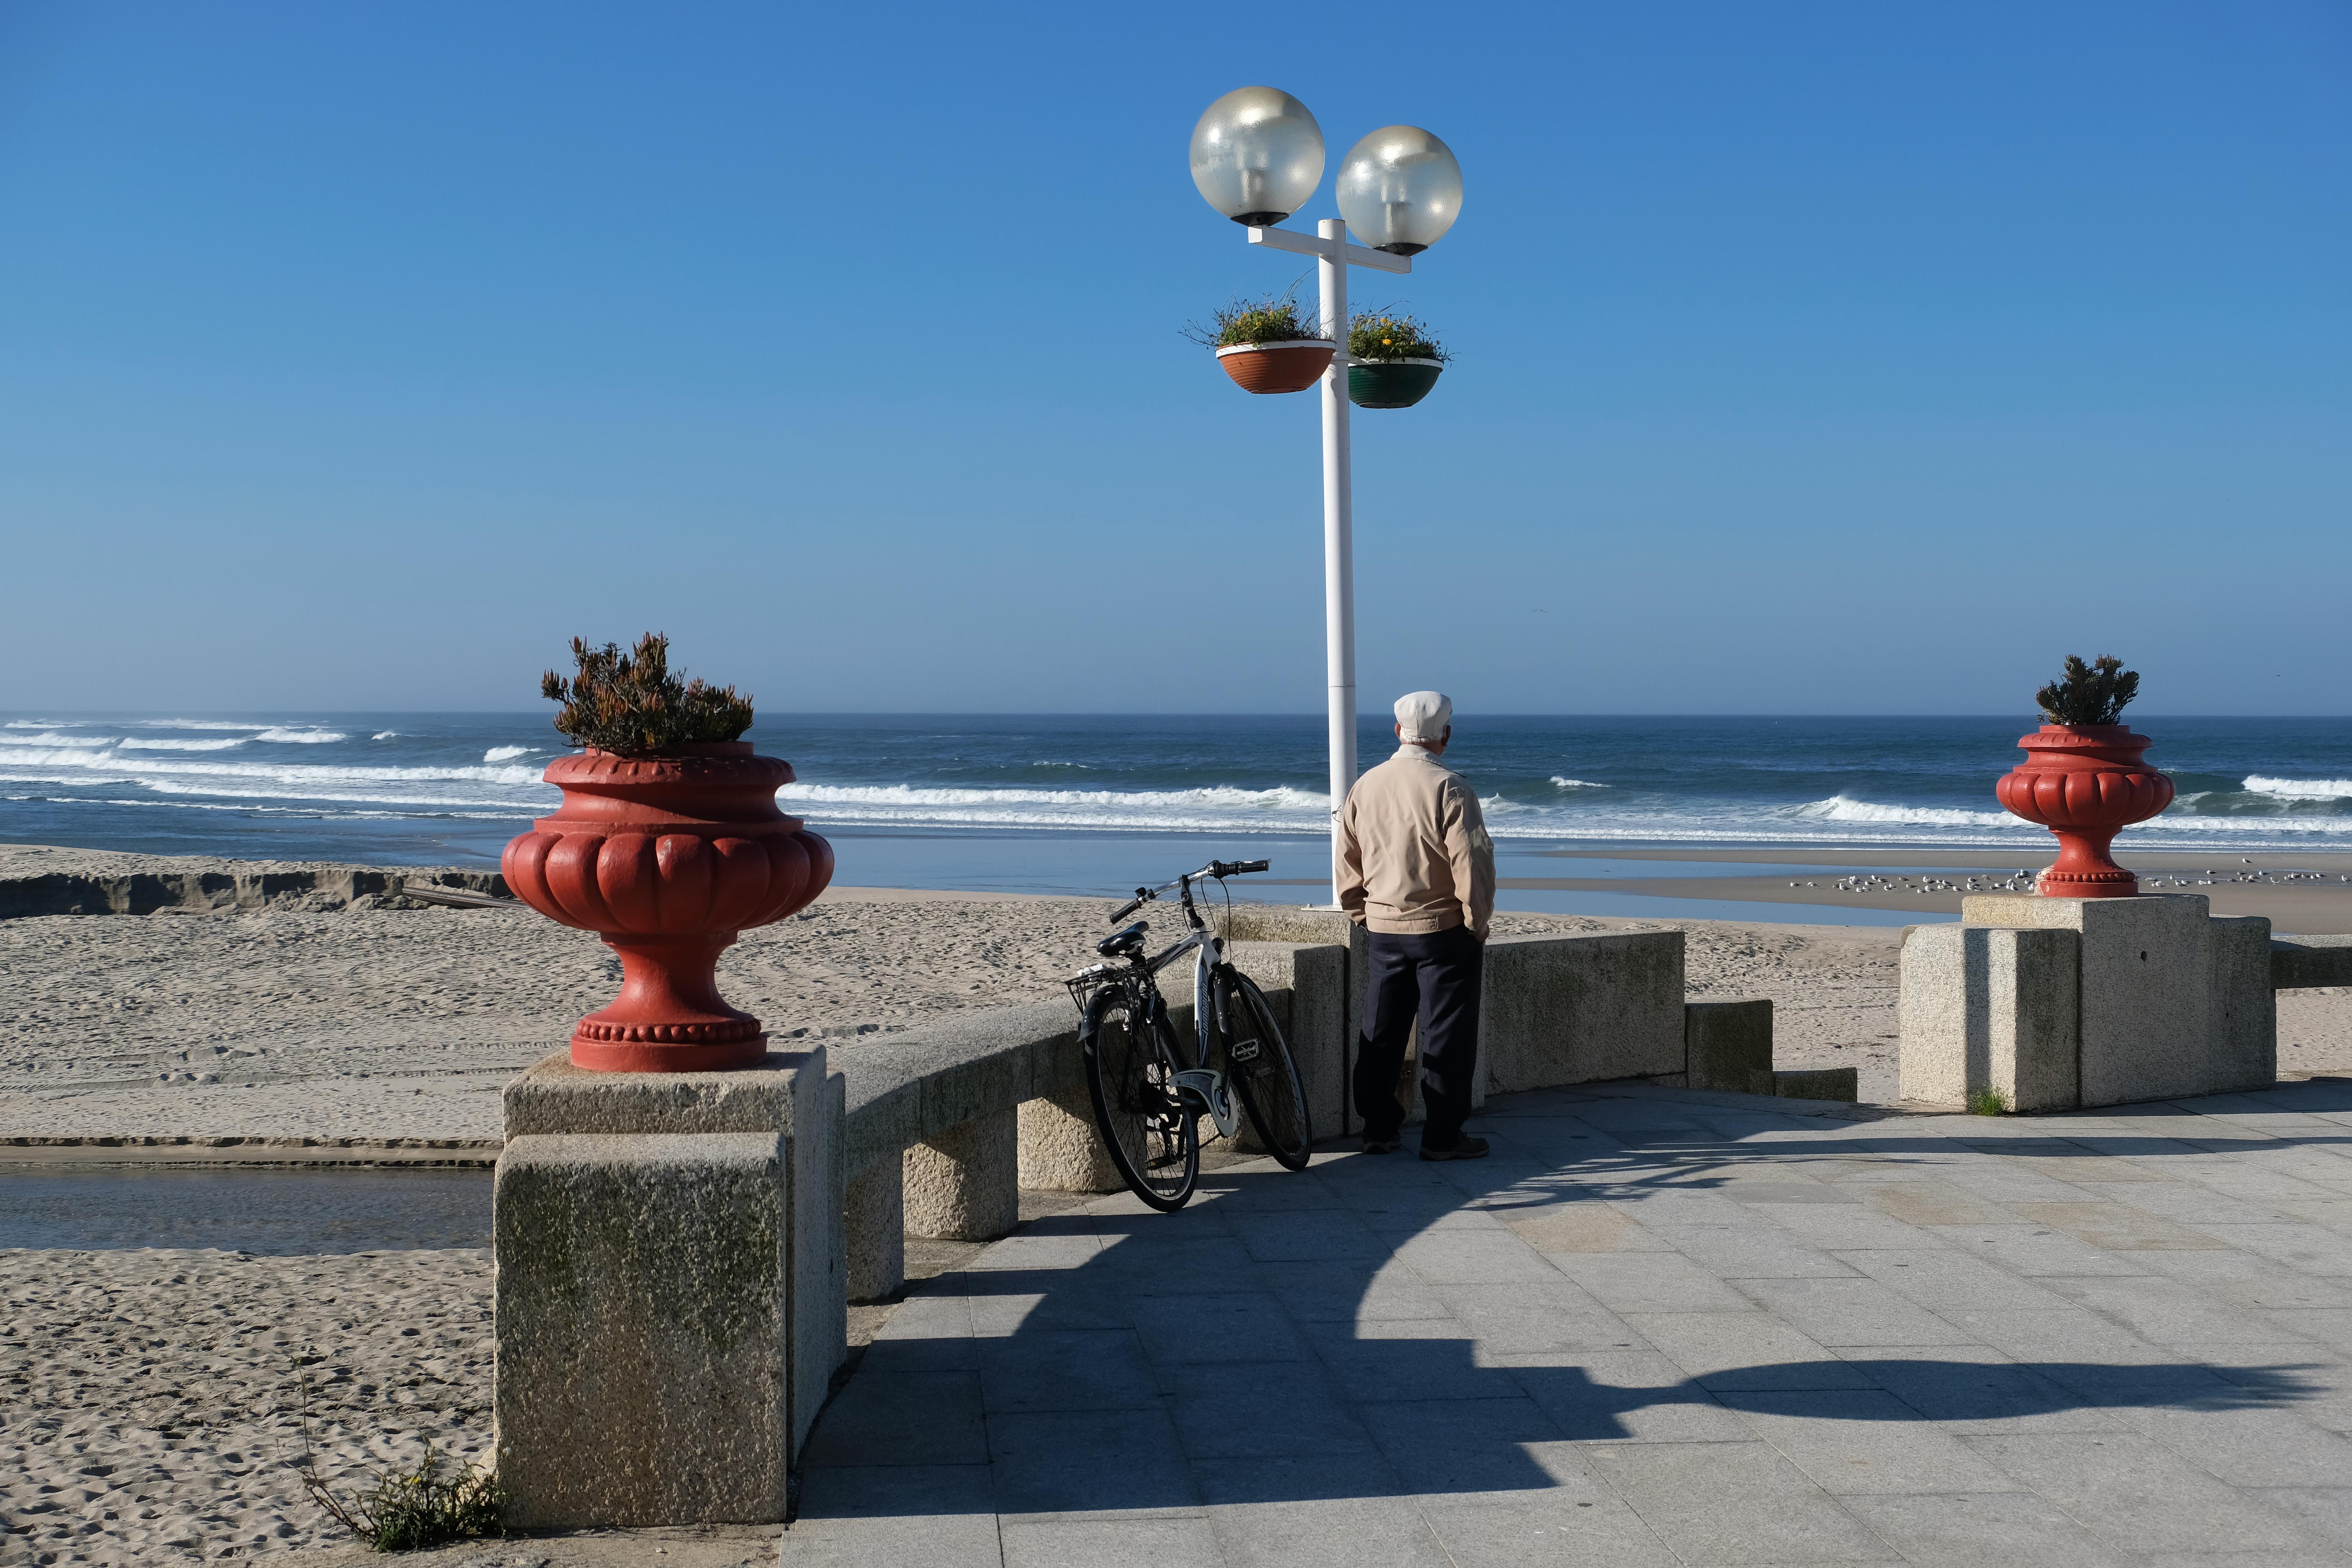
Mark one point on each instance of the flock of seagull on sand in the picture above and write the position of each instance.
(2022, 881)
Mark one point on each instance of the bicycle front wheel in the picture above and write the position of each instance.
(1153, 1138)
(1263, 1072)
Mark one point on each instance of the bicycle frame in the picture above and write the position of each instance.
(1200, 1080)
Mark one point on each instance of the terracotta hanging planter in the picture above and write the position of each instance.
(669, 858)
(2086, 783)
(1277, 367)
(1391, 382)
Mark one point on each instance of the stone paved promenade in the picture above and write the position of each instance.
(1658, 1327)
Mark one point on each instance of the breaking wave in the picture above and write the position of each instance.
(1843, 808)
(2300, 789)
(1219, 807)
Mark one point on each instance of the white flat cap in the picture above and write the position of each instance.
(1424, 715)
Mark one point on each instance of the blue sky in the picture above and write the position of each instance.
(1810, 357)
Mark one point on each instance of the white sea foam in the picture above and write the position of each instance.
(2300, 789)
(292, 774)
(507, 753)
(1841, 808)
(1279, 797)
(385, 735)
(312, 792)
(136, 744)
(51, 738)
(1559, 782)
(45, 723)
(195, 724)
(1219, 807)
(303, 737)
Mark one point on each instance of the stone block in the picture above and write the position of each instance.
(1562, 1010)
(1318, 928)
(875, 1232)
(2299, 961)
(904, 1089)
(1724, 1042)
(1983, 1008)
(2245, 1007)
(1061, 1150)
(644, 1362)
(1842, 1084)
(2143, 990)
(788, 1094)
(964, 1184)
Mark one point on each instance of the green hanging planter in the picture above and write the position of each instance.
(1391, 382)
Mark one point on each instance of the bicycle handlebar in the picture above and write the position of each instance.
(1220, 869)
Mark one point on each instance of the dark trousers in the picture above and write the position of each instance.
(1434, 979)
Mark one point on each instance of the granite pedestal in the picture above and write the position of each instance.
(2057, 1004)
(670, 1300)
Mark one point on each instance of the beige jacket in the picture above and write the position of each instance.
(1414, 857)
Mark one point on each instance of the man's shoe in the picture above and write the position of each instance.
(1374, 1144)
(1467, 1148)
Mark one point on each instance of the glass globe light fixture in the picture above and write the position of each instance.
(1257, 155)
(1400, 190)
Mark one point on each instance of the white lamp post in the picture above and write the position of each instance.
(1257, 156)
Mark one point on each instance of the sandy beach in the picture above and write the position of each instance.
(367, 1021)
(150, 1393)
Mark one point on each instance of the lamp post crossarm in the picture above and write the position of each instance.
(1309, 245)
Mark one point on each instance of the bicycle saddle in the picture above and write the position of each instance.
(1128, 939)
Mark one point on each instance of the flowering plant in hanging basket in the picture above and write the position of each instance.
(668, 845)
(1392, 361)
(1268, 344)
(2086, 778)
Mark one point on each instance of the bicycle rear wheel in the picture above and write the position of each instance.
(1150, 1130)
(1258, 1060)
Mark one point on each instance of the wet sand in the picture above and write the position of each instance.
(2235, 884)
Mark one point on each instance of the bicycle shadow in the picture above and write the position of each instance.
(1380, 1328)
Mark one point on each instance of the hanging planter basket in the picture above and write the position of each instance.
(1277, 367)
(1391, 382)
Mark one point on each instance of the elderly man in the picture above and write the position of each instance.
(1417, 871)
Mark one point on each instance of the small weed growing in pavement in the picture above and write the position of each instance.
(408, 1510)
(1987, 1102)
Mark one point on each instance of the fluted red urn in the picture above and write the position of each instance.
(2086, 783)
(669, 858)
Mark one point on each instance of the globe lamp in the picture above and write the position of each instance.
(1400, 190)
(1257, 155)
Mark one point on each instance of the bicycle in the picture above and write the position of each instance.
(1149, 1092)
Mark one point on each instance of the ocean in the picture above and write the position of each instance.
(1091, 804)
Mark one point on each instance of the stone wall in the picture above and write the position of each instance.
(146, 892)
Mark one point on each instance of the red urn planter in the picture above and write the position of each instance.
(2086, 783)
(669, 858)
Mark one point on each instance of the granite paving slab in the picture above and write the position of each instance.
(1660, 1327)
